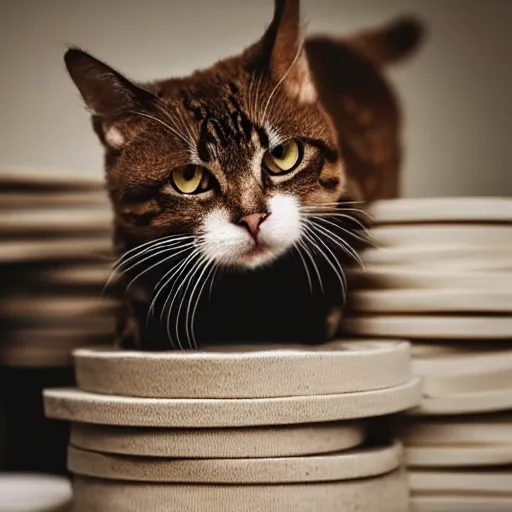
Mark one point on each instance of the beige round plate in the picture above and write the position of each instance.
(467, 403)
(432, 254)
(488, 429)
(465, 372)
(57, 307)
(388, 493)
(91, 275)
(51, 180)
(79, 406)
(427, 301)
(424, 327)
(332, 467)
(336, 367)
(29, 222)
(55, 250)
(459, 456)
(287, 441)
(469, 502)
(38, 199)
(386, 236)
(27, 492)
(432, 279)
(442, 209)
(468, 481)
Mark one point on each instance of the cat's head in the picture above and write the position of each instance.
(233, 157)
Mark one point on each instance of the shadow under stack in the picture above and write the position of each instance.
(441, 277)
(252, 429)
(55, 245)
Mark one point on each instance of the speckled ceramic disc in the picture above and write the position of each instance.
(467, 403)
(425, 327)
(431, 301)
(388, 236)
(442, 209)
(431, 279)
(79, 406)
(388, 493)
(357, 463)
(287, 441)
(473, 430)
(469, 502)
(27, 492)
(433, 254)
(234, 372)
(461, 481)
(459, 455)
(465, 372)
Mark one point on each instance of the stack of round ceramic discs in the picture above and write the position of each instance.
(441, 277)
(247, 428)
(55, 240)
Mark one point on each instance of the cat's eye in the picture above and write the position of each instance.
(191, 179)
(283, 158)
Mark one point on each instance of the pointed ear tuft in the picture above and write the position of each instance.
(105, 91)
(283, 45)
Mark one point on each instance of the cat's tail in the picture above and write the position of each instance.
(390, 43)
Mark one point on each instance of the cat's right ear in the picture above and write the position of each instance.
(105, 91)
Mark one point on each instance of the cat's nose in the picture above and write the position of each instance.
(252, 222)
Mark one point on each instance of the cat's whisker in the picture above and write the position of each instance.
(257, 108)
(217, 271)
(189, 261)
(184, 126)
(158, 263)
(211, 265)
(178, 134)
(364, 237)
(187, 281)
(311, 258)
(337, 270)
(347, 249)
(308, 275)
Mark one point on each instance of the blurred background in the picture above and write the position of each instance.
(455, 92)
(458, 134)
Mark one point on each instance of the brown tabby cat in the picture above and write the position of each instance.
(232, 187)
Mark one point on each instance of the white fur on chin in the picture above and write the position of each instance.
(230, 245)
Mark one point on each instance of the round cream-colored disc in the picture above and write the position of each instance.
(463, 481)
(51, 180)
(334, 467)
(57, 307)
(336, 367)
(27, 492)
(465, 372)
(80, 406)
(388, 493)
(467, 403)
(389, 236)
(431, 279)
(77, 220)
(38, 199)
(286, 441)
(469, 502)
(433, 254)
(426, 301)
(55, 250)
(424, 327)
(459, 456)
(462, 430)
(442, 209)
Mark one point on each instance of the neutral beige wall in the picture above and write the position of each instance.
(457, 91)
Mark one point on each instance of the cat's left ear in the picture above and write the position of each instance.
(283, 47)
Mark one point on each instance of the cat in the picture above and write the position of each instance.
(235, 189)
